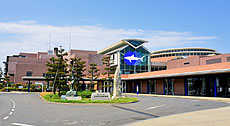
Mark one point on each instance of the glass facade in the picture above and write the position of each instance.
(131, 69)
(135, 43)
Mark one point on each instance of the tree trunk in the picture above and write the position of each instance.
(59, 89)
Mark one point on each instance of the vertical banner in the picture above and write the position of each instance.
(137, 89)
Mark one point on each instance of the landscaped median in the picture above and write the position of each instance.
(50, 97)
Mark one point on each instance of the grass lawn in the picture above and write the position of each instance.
(55, 98)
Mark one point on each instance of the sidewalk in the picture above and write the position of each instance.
(219, 99)
(210, 117)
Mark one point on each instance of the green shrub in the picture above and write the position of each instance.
(84, 94)
(63, 92)
(1, 86)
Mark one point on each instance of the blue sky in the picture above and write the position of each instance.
(26, 25)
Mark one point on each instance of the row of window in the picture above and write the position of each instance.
(184, 50)
(181, 54)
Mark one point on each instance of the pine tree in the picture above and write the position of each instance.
(93, 74)
(57, 71)
(78, 68)
(108, 69)
(1, 73)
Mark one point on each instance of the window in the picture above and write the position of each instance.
(29, 73)
(213, 61)
(228, 59)
(186, 63)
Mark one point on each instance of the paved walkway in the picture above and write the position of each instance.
(184, 97)
(211, 117)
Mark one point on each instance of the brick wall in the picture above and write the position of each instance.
(186, 62)
(160, 87)
(144, 86)
(179, 87)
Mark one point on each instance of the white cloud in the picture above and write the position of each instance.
(22, 34)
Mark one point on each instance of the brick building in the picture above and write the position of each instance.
(34, 64)
(184, 71)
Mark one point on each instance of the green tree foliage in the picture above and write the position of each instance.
(77, 69)
(1, 73)
(93, 74)
(57, 71)
(6, 80)
(108, 69)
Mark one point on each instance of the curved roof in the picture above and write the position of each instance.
(212, 50)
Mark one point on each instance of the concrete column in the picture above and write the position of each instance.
(149, 63)
(203, 89)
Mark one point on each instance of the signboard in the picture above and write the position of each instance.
(100, 96)
(20, 87)
(133, 58)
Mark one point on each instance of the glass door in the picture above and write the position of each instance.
(123, 86)
(169, 86)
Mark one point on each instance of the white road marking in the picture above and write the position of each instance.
(6, 117)
(154, 107)
(11, 109)
(75, 122)
(20, 124)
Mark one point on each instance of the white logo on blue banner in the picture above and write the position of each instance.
(133, 58)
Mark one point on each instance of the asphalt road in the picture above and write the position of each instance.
(31, 110)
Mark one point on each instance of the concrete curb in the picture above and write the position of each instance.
(217, 99)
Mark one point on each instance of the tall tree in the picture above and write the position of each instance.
(57, 71)
(1, 73)
(108, 69)
(78, 68)
(93, 74)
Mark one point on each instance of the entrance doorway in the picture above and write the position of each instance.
(169, 86)
(152, 86)
(123, 86)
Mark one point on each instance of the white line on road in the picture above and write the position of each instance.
(11, 109)
(20, 124)
(154, 107)
(6, 117)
